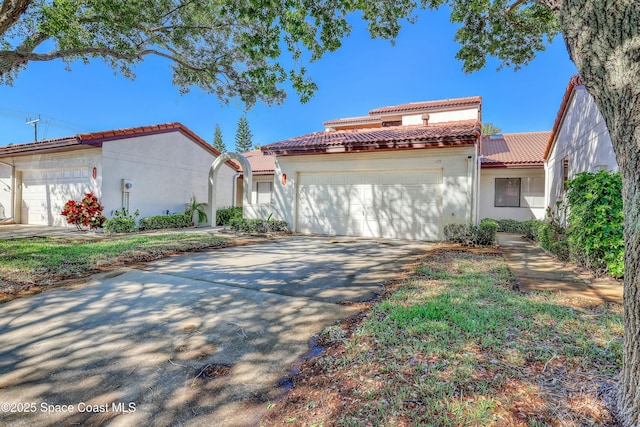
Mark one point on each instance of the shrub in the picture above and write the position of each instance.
(595, 220)
(87, 212)
(530, 228)
(224, 216)
(245, 225)
(458, 233)
(165, 221)
(483, 234)
(195, 207)
(552, 237)
(510, 226)
(486, 232)
(121, 222)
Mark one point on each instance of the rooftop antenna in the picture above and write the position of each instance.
(34, 122)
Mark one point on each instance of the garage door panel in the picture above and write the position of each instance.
(405, 205)
(45, 192)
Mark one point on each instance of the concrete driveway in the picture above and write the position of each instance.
(197, 340)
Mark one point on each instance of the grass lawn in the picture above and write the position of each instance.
(457, 345)
(39, 261)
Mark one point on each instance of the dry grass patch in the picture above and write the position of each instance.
(29, 265)
(457, 345)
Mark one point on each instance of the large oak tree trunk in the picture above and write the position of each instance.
(604, 42)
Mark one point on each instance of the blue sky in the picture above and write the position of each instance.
(362, 75)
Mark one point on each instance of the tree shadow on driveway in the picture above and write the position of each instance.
(133, 349)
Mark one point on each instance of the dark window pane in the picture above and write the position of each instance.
(507, 192)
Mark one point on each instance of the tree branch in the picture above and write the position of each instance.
(9, 57)
(513, 7)
(10, 13)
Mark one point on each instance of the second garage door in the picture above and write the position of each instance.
(389, 204)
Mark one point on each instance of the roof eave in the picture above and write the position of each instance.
(575, 82)
(378, 146)
(512, 165)
(21, 150)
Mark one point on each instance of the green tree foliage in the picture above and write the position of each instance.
(233, 49)
(490, 129)
(218, 143)
(243, 136)
(595, 221)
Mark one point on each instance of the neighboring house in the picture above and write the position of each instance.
(402, 171)
(512, 176)
(262, 200)
(155, 169)
(579, 142)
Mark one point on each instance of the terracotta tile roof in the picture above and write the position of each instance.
(390, 138)
(48, 145)
(514, 150)
(352, 120)
(96, 139)
(261, 164)
(429, 105)
(575, 81)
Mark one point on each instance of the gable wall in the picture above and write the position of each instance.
(166, 170)
(582, 136)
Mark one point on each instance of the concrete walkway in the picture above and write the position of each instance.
(535, 270)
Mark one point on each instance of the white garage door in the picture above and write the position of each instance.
(45, 192)
(402, 205)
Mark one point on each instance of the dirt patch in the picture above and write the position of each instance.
(213, 371)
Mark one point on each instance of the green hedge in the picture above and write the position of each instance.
(468, 234)
(122, 222)
(165, 221)
(244, 225)
(510, 226)
(596, 220)
(594, 236)
(224, 216)
(120, 225)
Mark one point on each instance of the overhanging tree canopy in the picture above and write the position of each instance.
(227, 48)
(235, 48)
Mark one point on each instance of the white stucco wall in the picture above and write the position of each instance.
(5, 191)
(166, 170)
(531, 205)
(254, 190)
(441, 116)
(584, 138)
(257, 210)
(457, 173)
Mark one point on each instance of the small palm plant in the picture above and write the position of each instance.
(194, 207)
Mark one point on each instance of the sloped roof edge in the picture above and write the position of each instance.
(96, 139)
(574, 82)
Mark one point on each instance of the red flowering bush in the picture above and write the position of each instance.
(87, 213)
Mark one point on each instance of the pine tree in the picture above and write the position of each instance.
(243, 136)
(218, 143)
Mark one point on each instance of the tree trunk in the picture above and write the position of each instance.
(603, 38)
